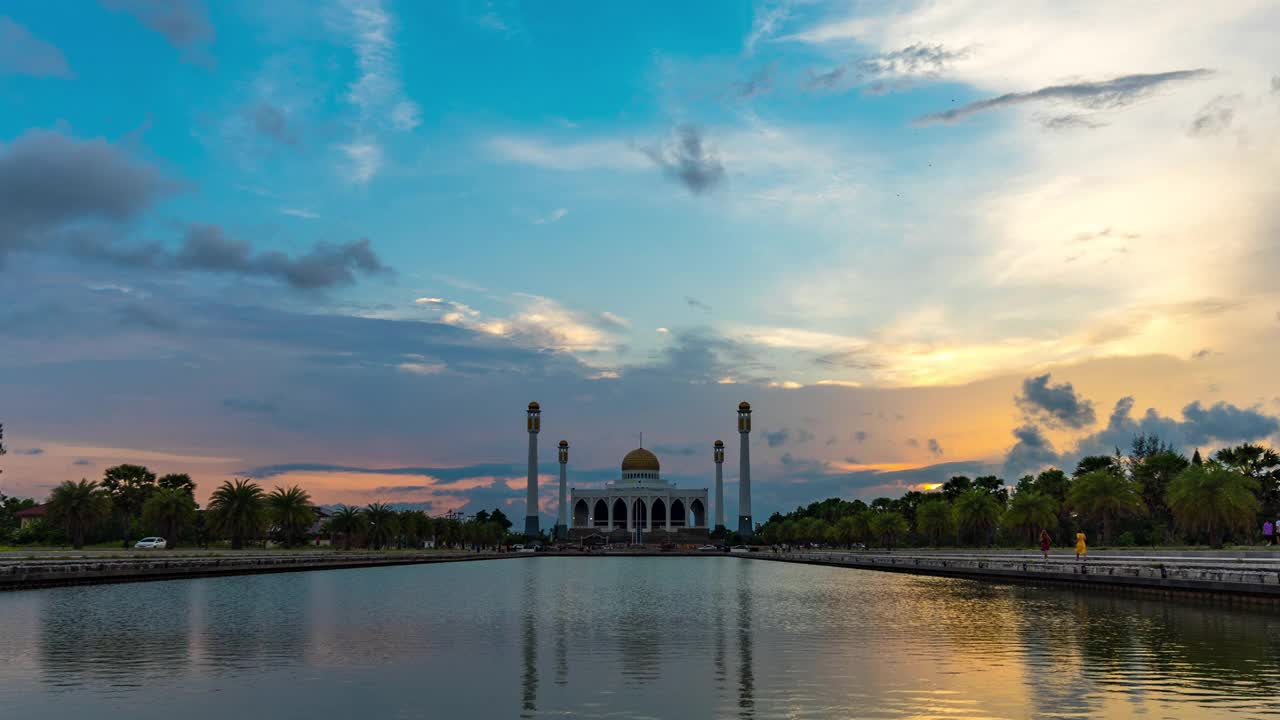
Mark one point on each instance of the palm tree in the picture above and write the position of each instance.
(1105, 495)
(290, 509)
(978, 513)
(888, 526)
(78, 507)
(1214, 499)
(237, 510)
(381, 521)
(847, 530)
(347, 521)
(1030, 512)
(169, 510)
(936, 519)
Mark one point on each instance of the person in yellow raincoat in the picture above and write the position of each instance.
(1082, 550)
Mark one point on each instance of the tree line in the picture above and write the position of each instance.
(131, 502)
(1152, 495)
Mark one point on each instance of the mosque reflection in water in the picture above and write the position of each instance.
(630, 638)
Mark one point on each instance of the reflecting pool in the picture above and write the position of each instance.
(596, 637)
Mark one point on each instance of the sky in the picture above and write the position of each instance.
(343, 243)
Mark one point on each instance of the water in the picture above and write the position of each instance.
(626, 638)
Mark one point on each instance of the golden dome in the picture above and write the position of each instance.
(534, 406)
(564, 443)
(744, 406)
(640, 459)
(719, 443)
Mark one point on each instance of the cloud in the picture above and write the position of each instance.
(1215, 117)
(935, 447)
(696, 304)
(1221, 422)
(422, 368)
(207, 248)
(769, 16)
(1032, 451)
(377, 92)
(537, 321)
(893, 70)
(912, 443)
(679, 450)
(29, 451)
(271, 121)
(137, 315)
(300, 213)
(1058, 405)
(689, 161)
(554, 216)
(250, 405)
(601, 154)
(49, 182)
(777, 438)
(860, 436)
(1202, 353)
(22, 53)
(1069, 121)
(757, 83)
(82, 462)
(1105, 94)
(184, 23)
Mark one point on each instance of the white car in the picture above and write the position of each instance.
(150, 543)
(708, 548)
(739, 549)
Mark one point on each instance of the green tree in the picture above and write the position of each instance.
(290, 510)
(1090, 463)
(169, 511)
(1030, 512)
(1105, 496)
(237, 509)
(936, 521)
(347, 521)
(1213, 499)
(847, 530)
(380, 520)
(888, 527)
(129, 486)
(78, 507)
(177, 481)
(1153, 467)
(501, 518)
(978, 513)
(1261, 464)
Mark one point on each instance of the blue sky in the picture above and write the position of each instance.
(361, 235)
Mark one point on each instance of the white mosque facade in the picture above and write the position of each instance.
(639, 506)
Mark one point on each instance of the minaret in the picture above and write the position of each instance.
(531, 529)
(745, 528)
(562, 526)
(719, 457)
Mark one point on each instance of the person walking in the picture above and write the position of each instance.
(1269, 533)
(1044, 543)
(1082, 550)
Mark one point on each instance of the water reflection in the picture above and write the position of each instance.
(628, 638)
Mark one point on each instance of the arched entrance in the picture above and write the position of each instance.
(677, 513)
(600, 515)
(580, 514)
(659, 510)
(640, 516)
(697, 513)
(619, 514)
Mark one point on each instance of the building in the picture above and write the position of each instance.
(32, 514)
(638, 507)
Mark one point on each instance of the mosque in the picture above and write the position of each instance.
(640, 507)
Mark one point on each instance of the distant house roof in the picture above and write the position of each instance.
(35, 511)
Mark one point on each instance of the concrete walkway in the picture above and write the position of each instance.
(1243, 576)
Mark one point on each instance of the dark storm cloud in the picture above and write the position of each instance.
(914, 61)
(1106, 94)
(688, 161)
(935, 447)
(1031, 451)
(184, 23)
(207, 248)
(272, 122)
(22, 53)
(696, 304)
(49, 180)
(1057, 405)
(1215, 117)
